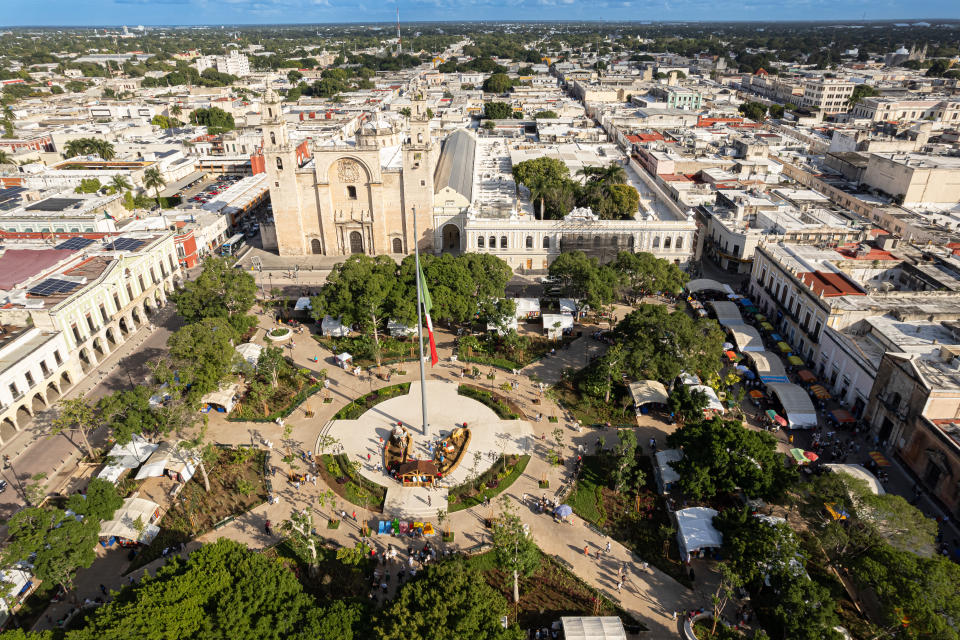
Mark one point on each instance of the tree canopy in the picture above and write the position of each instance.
(214, 118)
(498, 111)
(756, 111)
(584, 278)
(498, 83)
(203, 353)
(721, 456)
(645, 273)
(447, 600)
(220, 291)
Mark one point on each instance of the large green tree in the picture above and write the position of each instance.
(447, 600)
(661, 343)
(498, 83)
(203, 353)
(721, 456)
(220, 291)
(645, 273)
(77, 415)
(584, 278)
(513, 548)
(497, 111)
(214, 118)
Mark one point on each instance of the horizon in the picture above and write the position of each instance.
(70, 14)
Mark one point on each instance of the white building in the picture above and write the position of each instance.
(234, 63)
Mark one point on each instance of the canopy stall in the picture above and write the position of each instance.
(746, 338)
(796, 361)
(168, 458)
(303, 304)
(796, 404)
(221, 400)
(333, 328)
(665, 475)
(695, 531)
(647, 391)
(527, 308)
(123, 526)
(806, 375)
(399, 329)
(593, 628)
(769, 367)
(343, 360)
(727, 313)
(127, 456)
(820, 392)
(706, 284)
(554, 324)
(842, 416)
(249, 352)
(417, 473)
(713, 401)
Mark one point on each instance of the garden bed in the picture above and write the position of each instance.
(553, 591)
(505, 408)
(510, 352)
(358, 407)
(335, 468)
(392, 350)
(335, 580)
(294, 386)
(473, 493)
(648, 533)
(591, 411)
(237, 485)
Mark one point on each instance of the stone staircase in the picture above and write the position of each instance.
(411, 503)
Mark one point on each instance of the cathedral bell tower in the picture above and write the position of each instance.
(281, 165)
(419, 162)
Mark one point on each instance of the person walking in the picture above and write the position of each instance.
(608, 547)
(586, 551)
(266, 528)
(620, 587)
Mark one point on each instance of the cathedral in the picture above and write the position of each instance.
(346, 198)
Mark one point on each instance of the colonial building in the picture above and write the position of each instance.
(356, 197)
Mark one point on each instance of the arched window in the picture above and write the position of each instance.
(579, 241)
(598, 241)
(493, 242)
(351, 192)
(479, 242)
(666, 242)
(269, 113)
(397, 245)
(279, 164)
(419, 138)
(503, 242)
(546, 242)
(679, 244)
(315, 246)
(529, 242)
(630, 242)
(273, 138)
(612, 240)
(656, 242)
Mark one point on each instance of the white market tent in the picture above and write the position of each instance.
(706, 284)
(689, 378)
(124, 518)
(695, 531)
(646, 391)
(555, 323)
(527, 308)
(20, 583)
(160, 396)
(303, 304)
(127, 456)
(505, 327)
(333, 328)
(713, 401)
(593, 628)
(746, 338)
(666, 475)
(249, 352)
(859, 472)
(796, 404)
(727, 313)
(397, 329)
(769, 366)
(168, 457)
(343, 359)
(222, 397)
(568, 306)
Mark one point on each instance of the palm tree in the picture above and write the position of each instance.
(120, 183)
(103, 149)
(4, 157)
(176, 110)
(75, 148)
(153, 180)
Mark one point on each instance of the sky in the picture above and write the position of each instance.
(170, 12)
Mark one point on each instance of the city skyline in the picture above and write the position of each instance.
(250, 12)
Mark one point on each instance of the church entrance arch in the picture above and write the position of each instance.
(451, 238)
(356, 242)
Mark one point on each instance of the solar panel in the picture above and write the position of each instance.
(53, 204)
(52, 286)
(75, 243)
(125, 244)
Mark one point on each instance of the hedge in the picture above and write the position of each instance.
(358, 407)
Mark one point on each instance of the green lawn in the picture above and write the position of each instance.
(583, 498)
(358, 407)
(458, 498)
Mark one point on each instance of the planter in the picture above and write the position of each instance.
(448, 537)
(333, 524)
(544, 484)
(279, 335)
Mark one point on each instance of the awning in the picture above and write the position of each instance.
(783, 347)
(647, 391)
(746, 338)
(222, 397)
(820, 392)
(766, 326)
(124, 519)
(879, 459)
(759, 317)
(756, 394)
(713, 401)
(731, 356)
(745, 302)
(806, 375)
(796, 361)
(798, 456)
(796, 404)
(344, 357)
(250, 352)
(667, 475)
(593, 628)
(303, 303)
(727, 313)
(769, 367)
(842, 416)
(332, 327)
(706, 284)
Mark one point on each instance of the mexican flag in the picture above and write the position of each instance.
(427, 305)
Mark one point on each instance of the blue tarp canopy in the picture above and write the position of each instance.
(563, 511)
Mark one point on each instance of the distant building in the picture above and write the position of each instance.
(234, 63)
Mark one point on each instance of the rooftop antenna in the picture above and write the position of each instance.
(399, 43)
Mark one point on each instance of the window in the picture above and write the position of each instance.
(116, 302)
(90, 323)
(493, 242)
(679, 244)
(279, 164)
(656, 242)
(351, 192)
(140, 280)
(13, 391)
(273, 138)
(597, 241)
(397, 245)
(529, 242)
(56, 356)
(666, 242)
(103, 314)
(480, 242)
(736, 249)
(76, 333)
(546, 242)
(503, 242)
(315, 246)
(44, 368)
(269, 113)
(30, 382)
(423, 183)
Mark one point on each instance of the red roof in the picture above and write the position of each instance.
(882, 232)
(761, 72)
(829, 284)
(17, 265)
(874, 254)
(644, 137)
(674, 177)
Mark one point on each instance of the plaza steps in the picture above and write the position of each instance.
(410, 503)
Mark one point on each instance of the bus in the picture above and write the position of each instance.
(231, 246)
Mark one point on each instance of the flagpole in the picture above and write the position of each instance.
(423, 382)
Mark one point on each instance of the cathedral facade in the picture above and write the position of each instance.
(359, 197)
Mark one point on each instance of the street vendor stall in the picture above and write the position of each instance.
(333, 328)
(647, 392)
(417, 473)
(344, 360)
(796, 404)
(124, 525)
(696, 533)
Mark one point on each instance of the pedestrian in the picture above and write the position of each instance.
(620, 572)
(368, 457)
(266, 527)
(674, 615)
(354, 516)
(586, 551)
(620, 587)
(608, 546)
(429, 500)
